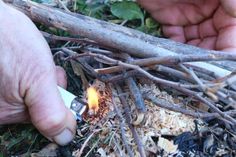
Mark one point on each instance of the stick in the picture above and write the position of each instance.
(172, 60)
(203, 87)
(135, 93)
(111, 35)
(144, 72)
(77, 40)
(174, 107)
(78, 154)
(128, 120)
(122, 124)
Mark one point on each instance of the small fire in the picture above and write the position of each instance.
(93, 97)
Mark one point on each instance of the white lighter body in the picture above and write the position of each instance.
(72, 102)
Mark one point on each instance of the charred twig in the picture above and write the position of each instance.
(128, 120)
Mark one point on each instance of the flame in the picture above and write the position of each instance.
(93, 97)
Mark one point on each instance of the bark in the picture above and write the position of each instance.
(114, 36)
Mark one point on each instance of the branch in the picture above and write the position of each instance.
(110, 35)
(122, 124)
(128, 120)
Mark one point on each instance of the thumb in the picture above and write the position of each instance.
(47, 111)
(229, 6)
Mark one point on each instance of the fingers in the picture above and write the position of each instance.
(227, 40)
(61, 77)
(229, 6)
(47, 111)
(175, 33)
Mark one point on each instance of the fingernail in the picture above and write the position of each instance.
(64, 137)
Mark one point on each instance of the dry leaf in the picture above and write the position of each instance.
(79, 72)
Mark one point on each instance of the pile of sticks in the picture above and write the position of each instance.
(122, 56)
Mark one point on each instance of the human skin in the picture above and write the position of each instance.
(209, 24)
(28, 82)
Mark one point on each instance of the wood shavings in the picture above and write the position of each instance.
(163, 120)
(167, 145)
(158, 122)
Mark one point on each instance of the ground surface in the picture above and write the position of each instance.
(100, 135)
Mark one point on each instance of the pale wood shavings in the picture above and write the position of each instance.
(167, 145)
(158, 122)
(163, 120)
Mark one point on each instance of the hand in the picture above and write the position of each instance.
(28, 82)
(209, 24)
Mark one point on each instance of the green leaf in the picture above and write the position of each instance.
(150, 23)
(127, 10)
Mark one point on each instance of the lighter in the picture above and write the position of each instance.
(76, 105)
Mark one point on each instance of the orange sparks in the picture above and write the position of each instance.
(93, 97)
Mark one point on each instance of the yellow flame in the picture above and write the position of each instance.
(93, 97)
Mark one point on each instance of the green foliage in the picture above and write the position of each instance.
(94, 9)
(127, 10)
(20, 139)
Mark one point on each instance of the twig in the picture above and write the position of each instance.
(135, 93)
(111, 35)
(135, 67)
(77, 40)
(174, 107)
(177, 86)
(194, 76)
(202, 86)
(63, 6)
(78, 154)
(229, 101)
(208, 103)
(140, 146)
(228, 80)
(122, 125)
(122, 77)
(82, 62)
(173, 72)
(172, 60)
